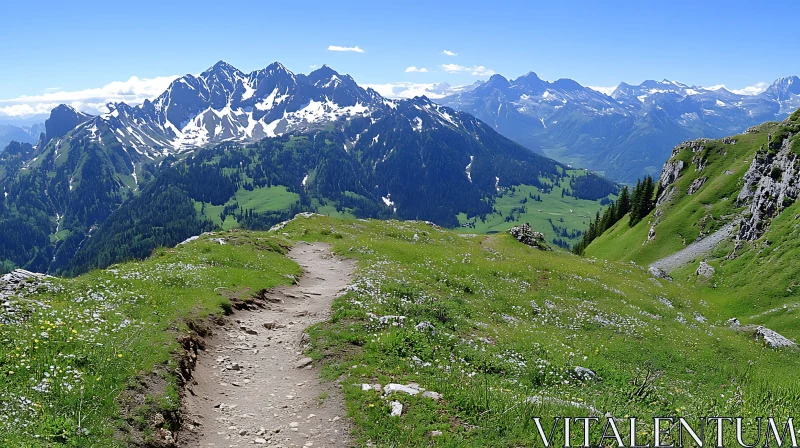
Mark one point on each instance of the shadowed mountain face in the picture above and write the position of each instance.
(9, 133)
(103, 188)
(627, 134)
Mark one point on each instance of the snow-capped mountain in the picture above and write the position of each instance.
(225, 104)
(786, 92)
(331, 143)
(626, 134)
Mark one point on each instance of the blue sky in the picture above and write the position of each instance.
(66, 47)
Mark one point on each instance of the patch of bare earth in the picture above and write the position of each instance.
(252, 385)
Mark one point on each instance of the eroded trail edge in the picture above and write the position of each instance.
(253, 385)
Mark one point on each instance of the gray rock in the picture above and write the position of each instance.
(733, 322)
(397, 409)
(705, 270)
(525, 235)
(394, 387)
(305, 362)
(752, 130)
(432, 395)
(695, 185)
(771, 183)
(583, 374)
(670, 173)
(659, 273)
(772, 339)
(425, 327)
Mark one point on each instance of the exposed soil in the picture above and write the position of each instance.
(252, 384)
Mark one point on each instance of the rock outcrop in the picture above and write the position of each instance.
(772, 339)
(659, 273)
(525, 235)
(669, 174)
(705, 270)
(695, 185)
(771, 184)
(13, 285)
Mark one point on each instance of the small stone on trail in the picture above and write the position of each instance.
(303, 363)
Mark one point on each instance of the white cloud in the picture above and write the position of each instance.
(133, 91)
(475, 70)
(413, 69)
(755, 89)
(606, 90)
(449, 53)
(453, 68)
(410, 89)
(355, 49)
(313, 66)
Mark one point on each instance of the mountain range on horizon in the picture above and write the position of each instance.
(626, 134)
(623, 133)
(96, 189)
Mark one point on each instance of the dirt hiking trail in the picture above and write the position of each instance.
(254, 386)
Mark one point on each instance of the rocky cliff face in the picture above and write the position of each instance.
(674, 167)
(771, 184)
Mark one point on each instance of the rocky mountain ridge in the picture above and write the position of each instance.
(627, 134)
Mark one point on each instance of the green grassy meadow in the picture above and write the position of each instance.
(494, 326)
(84, 344)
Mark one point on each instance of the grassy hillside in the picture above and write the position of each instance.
(686, 217)
(759, 284)
(496, 327)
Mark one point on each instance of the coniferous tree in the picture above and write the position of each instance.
(623, 203)
(636, 203)
(642, 200)
(639, 205)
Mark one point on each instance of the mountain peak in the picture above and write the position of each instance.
(497, 81)
(277, 67)
(530, 76)
(325, 75)
(63, 118)
(568, 84)
(324, 71)
(531, 82)
(221, 67)
(786, 82)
